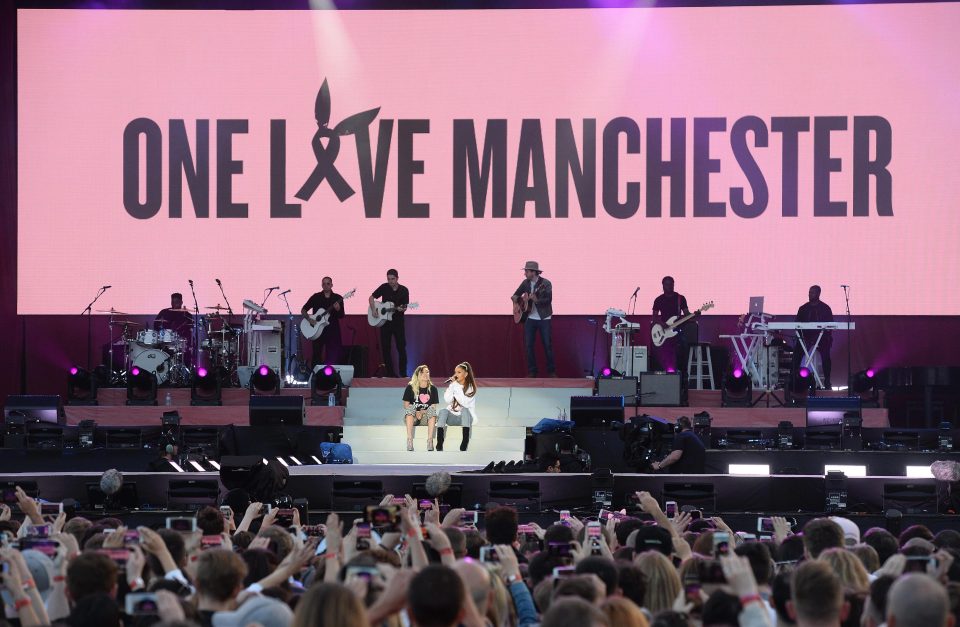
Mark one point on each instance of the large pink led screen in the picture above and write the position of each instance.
(746, 151)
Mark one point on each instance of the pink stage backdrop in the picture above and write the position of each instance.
(744, 150)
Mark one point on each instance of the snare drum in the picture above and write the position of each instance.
(150, 359)
(148, 337)
(168, 336)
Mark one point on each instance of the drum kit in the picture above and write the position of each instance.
(167, 352)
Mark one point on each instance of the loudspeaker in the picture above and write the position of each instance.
(237, 471)
(660, 389)
(619, 386)
(34, 408)
(355, 495)
(595, 410)
(523, 496)
(276, 410)
(358, 357)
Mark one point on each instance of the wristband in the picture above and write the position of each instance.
(136, 584)
(59, 578)
(22, 603)
(412, 534)
(330, 556)
(446, 551)
(750, 598)
(29, 583)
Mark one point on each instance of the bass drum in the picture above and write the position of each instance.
(150, 359)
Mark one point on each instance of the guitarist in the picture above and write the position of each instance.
(399, 295)
(538, 294)
(326, 300)
(674, 352)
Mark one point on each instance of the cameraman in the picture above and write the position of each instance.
(689, 456)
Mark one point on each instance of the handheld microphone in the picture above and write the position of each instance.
(451, 379)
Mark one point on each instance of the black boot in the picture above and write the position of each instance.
(440, 433)
(466, 438)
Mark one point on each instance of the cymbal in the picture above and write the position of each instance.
(113, 312)
(126, 323)
(181, 310)
(218, 307)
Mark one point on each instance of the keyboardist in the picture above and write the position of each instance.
(815, 310)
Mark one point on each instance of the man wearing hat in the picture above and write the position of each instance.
(539, 291)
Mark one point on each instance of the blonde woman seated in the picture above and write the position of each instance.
(461, 400)
(420, 401)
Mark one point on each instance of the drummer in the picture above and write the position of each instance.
(177, 319)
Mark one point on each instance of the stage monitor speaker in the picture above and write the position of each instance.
(453, 497)
(660, 389)
(619, 386)
(276, 410)
(701, 496)
(192, 493)
(524, 496)
(34, 408)
(824, 411)
(354, 496)
(127, 498)
(593, 411)
(910, 498)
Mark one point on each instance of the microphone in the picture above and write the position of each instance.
(451, 379)
(106, 287)
(844, 286)
(218, 281)
(282, 293)
(274, 288)
(190, 281)
(437, 483)
(635, 292)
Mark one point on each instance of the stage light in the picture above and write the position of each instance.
(296, 461)
(81, 387)
(283, 461)
(264, 381)
(607, 372)
(198, 467)
(757, 470)
(919, 472)
(848, 470)
(864, 385)
(316, 459)
(737, 390)
(176, 466)
(671, 370)
(214, 463)
(141, 387)
(325, 381)
(804, 373)
(205, 388)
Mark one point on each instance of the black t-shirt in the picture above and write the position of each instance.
(319, 301)
(693, 457)
(424, 399)
(176, 320)
(400, 296)
(669, 305)
(816, 312)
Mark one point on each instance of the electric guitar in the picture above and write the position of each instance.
(321, 320)
(385, 312)
(660, 334)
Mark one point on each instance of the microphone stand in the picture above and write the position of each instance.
(89, 311)
(846, 297)
(196, 328)
(291, 334)
(224, 294)
(269, 291)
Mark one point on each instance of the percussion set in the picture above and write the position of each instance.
(168, 352)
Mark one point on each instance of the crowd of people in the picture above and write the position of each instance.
(248, 564)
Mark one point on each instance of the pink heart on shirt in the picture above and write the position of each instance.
(424, 398)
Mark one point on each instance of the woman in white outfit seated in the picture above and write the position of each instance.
(461, 410)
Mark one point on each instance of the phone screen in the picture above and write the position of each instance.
(671, 509)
